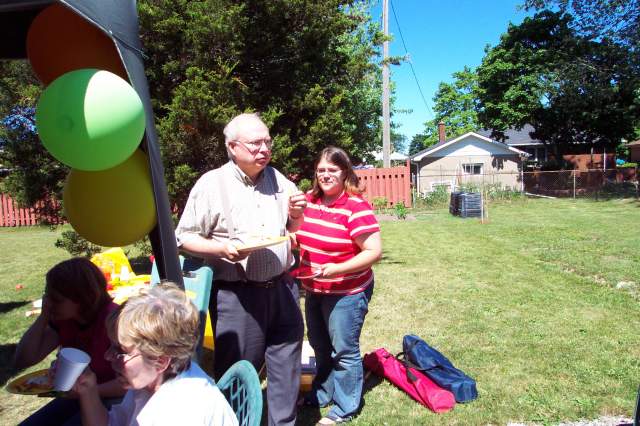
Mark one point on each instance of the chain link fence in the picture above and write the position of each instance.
(434, 189)
(616, 183)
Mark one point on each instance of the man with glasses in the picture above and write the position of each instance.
(254, 305)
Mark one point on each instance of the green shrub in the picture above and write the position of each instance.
(72, 242)
(380, 203)
(304, 185)
(628, 165)
(437, 198)
(401, 211)
(493, 191)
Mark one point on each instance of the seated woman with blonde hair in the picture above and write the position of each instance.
(153, 337)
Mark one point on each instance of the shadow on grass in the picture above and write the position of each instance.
(308, 416)
(370, 382)
(7, 370)
(386, 260)
(10, 306)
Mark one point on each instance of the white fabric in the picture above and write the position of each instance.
(191, 398)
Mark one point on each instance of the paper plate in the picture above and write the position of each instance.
(258, 244)
(304, 273)
(31, 384)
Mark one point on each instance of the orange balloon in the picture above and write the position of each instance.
(59, 40)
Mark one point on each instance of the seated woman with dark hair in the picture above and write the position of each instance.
(153, 337)
(74, 308)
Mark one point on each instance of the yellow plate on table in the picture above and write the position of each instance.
(261, 243)
(33, 383)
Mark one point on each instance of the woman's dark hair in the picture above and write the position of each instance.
(82, 282)
(337, 156)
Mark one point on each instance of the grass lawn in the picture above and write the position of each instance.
(540, 306)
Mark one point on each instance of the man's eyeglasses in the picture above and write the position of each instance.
(119, 355)
(254, 146)
(333, 171)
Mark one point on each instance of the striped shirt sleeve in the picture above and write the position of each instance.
(362, 219)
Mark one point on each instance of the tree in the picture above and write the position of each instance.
(417, 143)
(569, 88)
(615, 20)
(34, 175)
(307, 67)
(398, 142)
(456, 106)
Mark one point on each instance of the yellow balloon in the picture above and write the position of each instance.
(113, 207)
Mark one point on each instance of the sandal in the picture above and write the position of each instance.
(331, 420)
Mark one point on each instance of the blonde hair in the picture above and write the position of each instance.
(159, 321)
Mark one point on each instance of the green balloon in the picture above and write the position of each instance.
(90, 119)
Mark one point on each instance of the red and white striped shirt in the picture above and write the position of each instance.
(328, 234)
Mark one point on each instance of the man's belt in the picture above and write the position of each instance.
(270, 283)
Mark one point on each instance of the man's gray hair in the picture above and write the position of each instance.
(232, 128)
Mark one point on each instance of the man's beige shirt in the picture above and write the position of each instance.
(259, 209)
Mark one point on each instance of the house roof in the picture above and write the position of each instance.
(634, 143)
(395, 156)
(516, 137)
(440, 145)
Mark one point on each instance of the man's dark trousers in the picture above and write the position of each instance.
(261, 323)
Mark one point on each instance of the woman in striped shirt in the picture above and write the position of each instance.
(339, 240)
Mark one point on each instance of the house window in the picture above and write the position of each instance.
(472, 169)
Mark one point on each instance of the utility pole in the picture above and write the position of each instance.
(386, 125)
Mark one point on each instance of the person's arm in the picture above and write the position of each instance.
(111, 389)
(371, 246)
(297, 204)
(91, 408)
(39, 340)
(197, 220)
(199, 246)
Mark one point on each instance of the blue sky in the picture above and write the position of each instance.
(441, 36)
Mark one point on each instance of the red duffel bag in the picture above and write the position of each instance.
(412, 381)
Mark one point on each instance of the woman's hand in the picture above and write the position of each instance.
(329, 270)
(297, 204)
(85, 384)
(45, 311)
(51, 372)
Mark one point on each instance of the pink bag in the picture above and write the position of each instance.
(413, 382)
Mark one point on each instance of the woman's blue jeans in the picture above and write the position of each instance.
(334, 324)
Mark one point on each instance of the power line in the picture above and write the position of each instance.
(406, 51)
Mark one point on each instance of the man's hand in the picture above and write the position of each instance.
(297, 204)
(230, 252)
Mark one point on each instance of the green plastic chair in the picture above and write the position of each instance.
(240, 384)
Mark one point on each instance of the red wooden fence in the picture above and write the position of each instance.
(393, 183)
(13, 215)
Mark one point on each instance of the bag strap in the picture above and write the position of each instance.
(402, 357)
